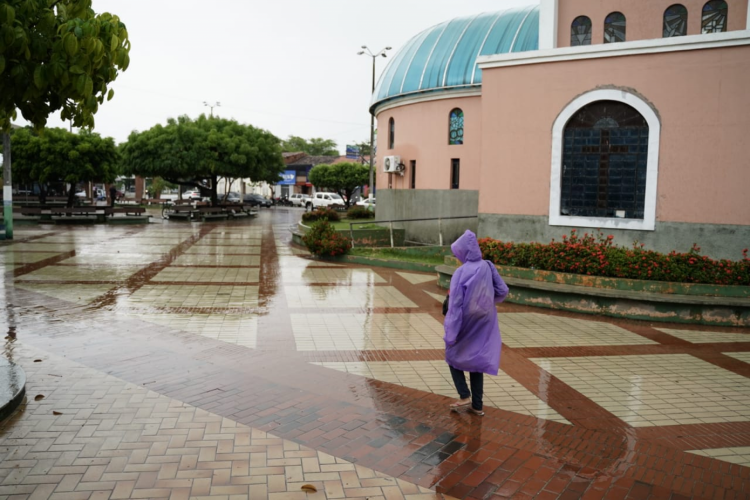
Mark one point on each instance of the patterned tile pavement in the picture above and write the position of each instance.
(216, 360)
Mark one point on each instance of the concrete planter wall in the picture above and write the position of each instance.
(633, 299)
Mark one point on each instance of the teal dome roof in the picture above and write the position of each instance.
(444, 57)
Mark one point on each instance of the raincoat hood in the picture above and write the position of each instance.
(466, 248)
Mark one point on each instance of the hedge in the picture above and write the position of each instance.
(596, 255)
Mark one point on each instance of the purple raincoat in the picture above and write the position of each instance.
(472, 335)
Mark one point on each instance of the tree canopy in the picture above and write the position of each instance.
(342, 178)
(58, 55)
(197, 152)
(59, 156)
(316, 146)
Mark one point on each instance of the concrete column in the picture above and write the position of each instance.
(548, 24)
(7, 189)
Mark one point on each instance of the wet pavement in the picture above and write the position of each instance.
(194, 360)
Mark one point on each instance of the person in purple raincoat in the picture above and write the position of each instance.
(472, 335)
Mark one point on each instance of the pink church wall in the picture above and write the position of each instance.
(645, 19)
(422, 135)
(700, 96)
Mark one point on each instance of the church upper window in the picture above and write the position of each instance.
(675, 21)
(614, 28)
(580, 31)
(714, 17)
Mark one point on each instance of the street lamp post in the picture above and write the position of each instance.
(212, 106)
(381, 53)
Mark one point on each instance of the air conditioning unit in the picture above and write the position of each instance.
(392, 164)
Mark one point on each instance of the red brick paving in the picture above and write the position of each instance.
(396, 430)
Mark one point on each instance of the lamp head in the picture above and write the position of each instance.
(383, 54)
(388, 48)
(360, 52)
(364, 46)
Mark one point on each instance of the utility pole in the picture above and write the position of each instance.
(7, 188)
(212, 106)
(382, 53)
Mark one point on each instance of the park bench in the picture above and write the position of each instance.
(77, 214)
(207, 213)
(124, 210)
(179, 212)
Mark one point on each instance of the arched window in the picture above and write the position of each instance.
(675, 21)
(456, 131)
(391, 133)
(580, 31)
(714, 17)
(605, 159)
(614, 28)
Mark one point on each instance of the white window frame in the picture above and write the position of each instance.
(648, 223)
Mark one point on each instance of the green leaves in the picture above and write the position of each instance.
(60, 59)
(196, 150)
(39, 79)
(71, 44)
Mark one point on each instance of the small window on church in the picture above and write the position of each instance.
(675, 21)
(456, 134)
(391, 133)
(614, 28)
(714, 17)
(580, 31)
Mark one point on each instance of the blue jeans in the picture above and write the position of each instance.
(477, 386)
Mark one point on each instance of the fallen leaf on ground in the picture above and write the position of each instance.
(37, 361)
(38, 397)
(309, 487)
(56, 413)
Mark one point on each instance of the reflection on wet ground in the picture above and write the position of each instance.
(221, 330)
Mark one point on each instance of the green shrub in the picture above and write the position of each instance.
(321, 213)
(322, 239)
(359, 213)
(597, 256)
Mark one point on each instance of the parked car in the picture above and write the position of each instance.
(233, 197)
(299, 200)
(366, 203)
(192, 195)
(324, 200)
(256, 200)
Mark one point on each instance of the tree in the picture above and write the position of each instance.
(314, 147)
(56, 155)
(58, 55)
(364, 148)
(197, 152)
(342, 178)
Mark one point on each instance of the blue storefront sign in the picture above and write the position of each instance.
(288, 178)
(352, 152)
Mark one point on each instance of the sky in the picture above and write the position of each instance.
(287, 66)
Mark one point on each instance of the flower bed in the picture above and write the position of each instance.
(597, 256)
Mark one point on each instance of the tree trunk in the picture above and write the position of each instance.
(42, 193)
(71, 196)
(214, 194)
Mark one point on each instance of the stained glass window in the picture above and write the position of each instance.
(714, 17)
(605, 159)
(580, 31)
(614, 28)
(456, 135)
(391, 133)
(675, 21)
